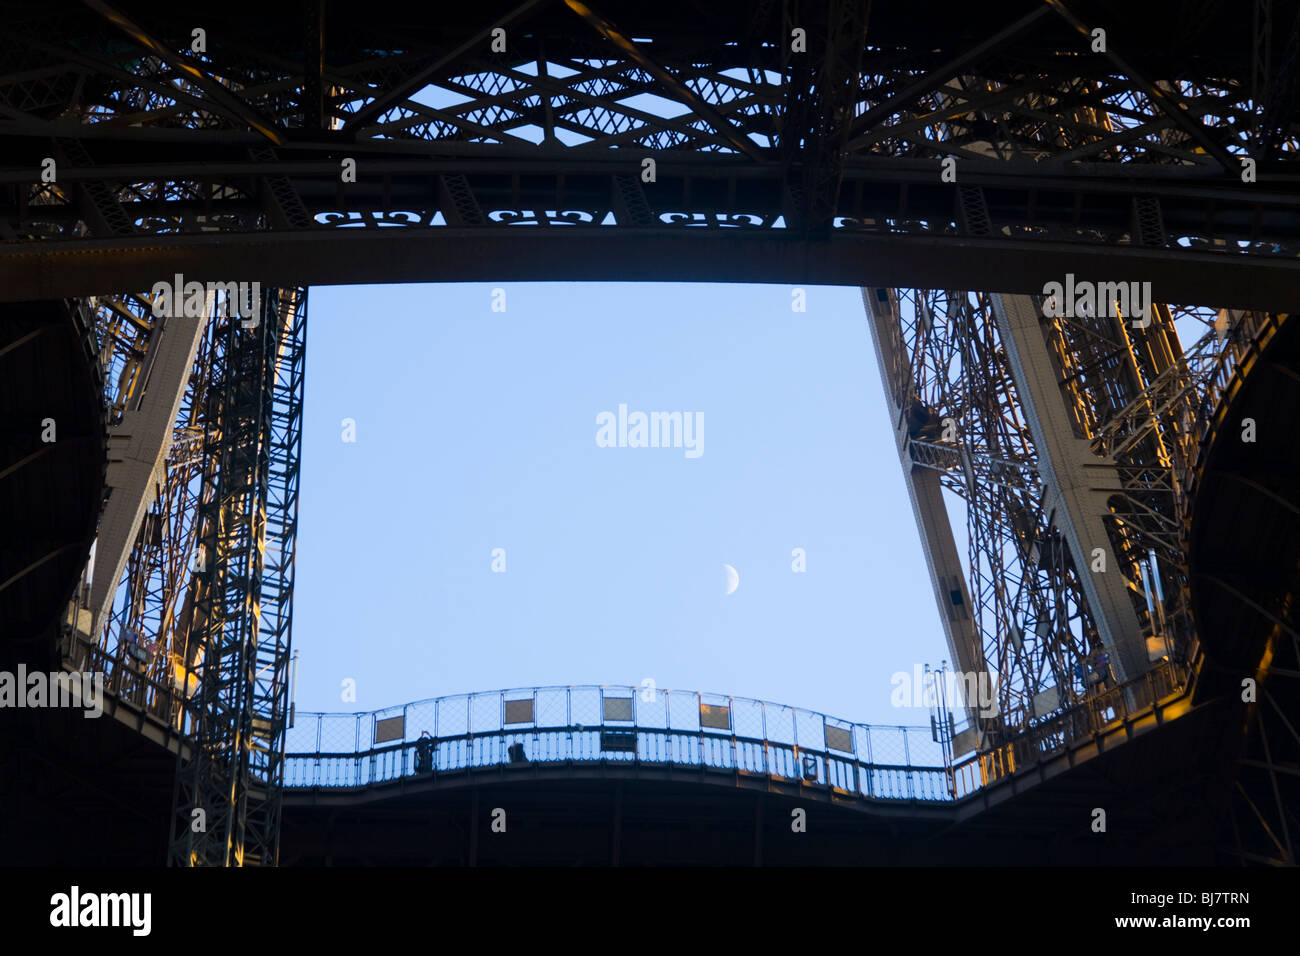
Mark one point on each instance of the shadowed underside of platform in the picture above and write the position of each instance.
(1159, 790)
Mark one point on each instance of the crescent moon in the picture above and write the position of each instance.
(733, 579)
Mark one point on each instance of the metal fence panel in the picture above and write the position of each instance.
(779, 720)
(584, 706)
(485, 712)
(589, 724)
(552, 707)
(453, 716)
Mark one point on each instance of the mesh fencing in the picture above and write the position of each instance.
(615, 725)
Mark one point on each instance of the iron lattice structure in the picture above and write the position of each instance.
(150, 606)
(958, 387)
(224, 159)
(1142, 403)
(199, 629)
(948, 373)
(242, 600)
(774, 163)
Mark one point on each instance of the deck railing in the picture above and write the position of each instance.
(615, 725)
(590, 725)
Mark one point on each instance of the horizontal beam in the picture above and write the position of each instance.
(475, 254)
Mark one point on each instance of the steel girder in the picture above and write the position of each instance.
(769, 167)
(1124, 162)
(226, 806)
(951, 385)
(1018, 606)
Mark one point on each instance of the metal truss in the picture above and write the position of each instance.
(151, 614)
(1145, 404)
(1141, 402)
(1127, 160)
(1262, 810)
(952, 382)
(1141, 406)
(199, 635)
(1123, 163)
(227, 801)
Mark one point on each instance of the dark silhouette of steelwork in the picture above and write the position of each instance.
(1242, 538)
(773, 162)
(912, 149)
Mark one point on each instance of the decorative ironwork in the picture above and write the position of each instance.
(1062, 150)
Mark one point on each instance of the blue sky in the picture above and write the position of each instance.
(476, 430)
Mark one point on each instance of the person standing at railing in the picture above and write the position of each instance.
(424, 753)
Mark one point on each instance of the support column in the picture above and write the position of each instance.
(1077, 482)
(243, 599)
(941, 558)
(138, 446)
